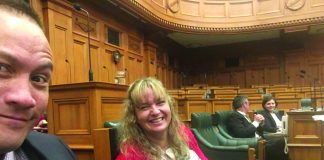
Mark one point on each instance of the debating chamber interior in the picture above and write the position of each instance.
(204, 51)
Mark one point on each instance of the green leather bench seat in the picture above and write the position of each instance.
(213, 144)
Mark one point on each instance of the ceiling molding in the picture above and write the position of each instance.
(136, 8)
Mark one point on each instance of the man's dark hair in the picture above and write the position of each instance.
(238, 101)
(21, 7)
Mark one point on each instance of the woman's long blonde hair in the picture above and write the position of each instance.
(130, 132)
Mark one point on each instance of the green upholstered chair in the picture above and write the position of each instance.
(112, 125)
(220, 119)
(306, 103)
(213, 144)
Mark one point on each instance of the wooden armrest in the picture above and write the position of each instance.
(251, 154)
(261, 149)
(101, 143)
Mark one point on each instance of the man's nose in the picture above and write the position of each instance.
(19, 93)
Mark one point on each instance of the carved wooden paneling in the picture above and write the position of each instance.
(135, 68)
(112, 110)
(105, 69)
(238, 78)
(95, 60)
(169, 79)
(81, 59)
(108, 67)
(198, 106)
(80, 26)
(182, 109)
(76, 109)
(162, 73)
(306, 131)
(314, 73)
(255, 104)
(83, 154)
(305, 136)
(134, 45)
(286, 104)
(69, 111)
(295, 62)
(221, 105)
(302, 153)
(150, 59)
(255, 76)
(224, 78)
(272, 76)
(60, 37)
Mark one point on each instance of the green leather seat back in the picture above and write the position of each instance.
(306, 103)
(112, 125)
(212, 143)
(203, 123)
(221, 118)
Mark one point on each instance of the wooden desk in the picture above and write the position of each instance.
(305, 136)
(75, 110)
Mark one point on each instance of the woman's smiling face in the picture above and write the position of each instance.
(153, 114)
(270, 105)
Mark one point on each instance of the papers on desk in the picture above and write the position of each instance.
(318, 117)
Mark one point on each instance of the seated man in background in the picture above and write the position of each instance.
(240, 126)
(25, 70)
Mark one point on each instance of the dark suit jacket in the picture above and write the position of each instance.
(269, 123)
(40, 146)
(240, 127)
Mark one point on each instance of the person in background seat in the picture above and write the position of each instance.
(272, 124)
(241, 127)
(150, 128)
(272, 117)
(239, 124)
(25, 69)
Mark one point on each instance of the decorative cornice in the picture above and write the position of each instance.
(146, 14)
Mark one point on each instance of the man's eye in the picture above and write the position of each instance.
(40, 79)
(4, 68)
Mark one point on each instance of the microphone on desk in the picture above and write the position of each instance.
(77, 7)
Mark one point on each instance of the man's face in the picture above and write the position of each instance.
(25, 70)
(246, 106)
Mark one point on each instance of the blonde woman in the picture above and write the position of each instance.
(150, 128)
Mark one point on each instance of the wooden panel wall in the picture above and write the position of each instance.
(269, 64)
(67, 33)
